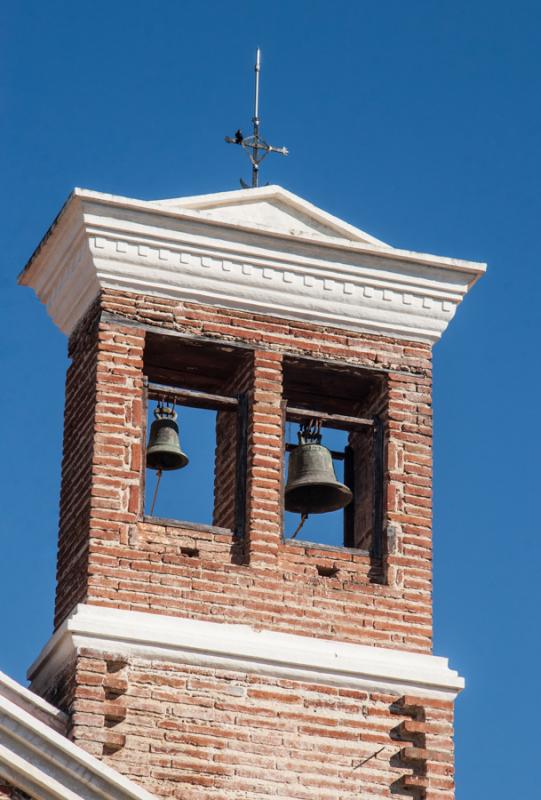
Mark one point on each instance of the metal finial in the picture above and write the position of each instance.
(255, 146)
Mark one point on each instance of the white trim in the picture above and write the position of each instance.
(32, 703)
(241, 647)
(43, 763)
(176, 249)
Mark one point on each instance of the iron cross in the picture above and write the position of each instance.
(255, 146)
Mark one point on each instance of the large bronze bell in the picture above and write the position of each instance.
(312, 486)
(163, 449)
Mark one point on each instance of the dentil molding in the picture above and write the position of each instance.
(259, 250)
(242, 648)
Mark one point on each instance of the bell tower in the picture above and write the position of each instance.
(282, 646)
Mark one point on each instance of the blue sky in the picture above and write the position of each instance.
(417, 121)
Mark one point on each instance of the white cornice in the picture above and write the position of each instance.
(45, 764)
(241, 647)
(322, 271)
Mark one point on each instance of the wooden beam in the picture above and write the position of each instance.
(192, 397)
(328, 420)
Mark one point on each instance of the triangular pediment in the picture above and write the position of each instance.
(272, 208)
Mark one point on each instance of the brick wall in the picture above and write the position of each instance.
(362, 448)
(201, 732)
(363, 452)
(225, 470)
(227, 440)
(265, 460)
(76, 487)
(102, 464)
(121, 561)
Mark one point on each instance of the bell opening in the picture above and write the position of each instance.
(183, 494)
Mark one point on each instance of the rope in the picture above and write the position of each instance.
(158, 478)
(299, 526)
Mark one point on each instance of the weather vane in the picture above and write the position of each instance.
(255, 146)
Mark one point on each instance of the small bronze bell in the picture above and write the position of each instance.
(163, 450)
(312, 486)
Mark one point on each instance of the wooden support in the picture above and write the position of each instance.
(193, 397)
(241, 467)
(339, 421)
(378, 462)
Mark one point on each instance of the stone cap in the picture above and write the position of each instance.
(263, 250)
(243, 648)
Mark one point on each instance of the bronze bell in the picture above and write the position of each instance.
(163, 449)
(312, 486)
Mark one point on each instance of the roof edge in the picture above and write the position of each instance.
(42, 761)
(32, 703)
(152, 206)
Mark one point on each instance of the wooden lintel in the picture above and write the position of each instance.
(328, 420)
(192, 397)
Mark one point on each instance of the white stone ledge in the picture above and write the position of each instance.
(242, 648)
